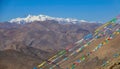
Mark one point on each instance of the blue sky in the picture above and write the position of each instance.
(90, 10)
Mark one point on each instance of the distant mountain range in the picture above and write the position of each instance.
(35, 38)
(32, 18)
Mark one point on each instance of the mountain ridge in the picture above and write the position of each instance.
(32, 18)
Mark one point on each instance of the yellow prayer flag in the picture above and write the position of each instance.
(52, 57)
(42, 64)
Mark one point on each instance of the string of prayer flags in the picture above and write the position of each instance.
(89, 36)
(41, 64)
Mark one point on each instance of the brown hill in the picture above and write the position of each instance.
(26, 59)
(96, 59)
(25, 46)
(47, 35)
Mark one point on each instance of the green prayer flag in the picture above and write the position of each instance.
(73, 66)
(113, 20)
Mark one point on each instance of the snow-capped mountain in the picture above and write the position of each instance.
(32, 18)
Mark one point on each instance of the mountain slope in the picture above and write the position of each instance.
(96, 59)
(26, 58)
(27, 45)
(46, 35)
(106, 39)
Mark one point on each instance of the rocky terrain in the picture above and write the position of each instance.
(99, 58)
(27, 45)
(47, 35)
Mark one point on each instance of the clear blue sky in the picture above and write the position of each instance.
(91, 10)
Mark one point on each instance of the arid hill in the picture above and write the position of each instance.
(47, 35)
(23, 46)
(98, 58)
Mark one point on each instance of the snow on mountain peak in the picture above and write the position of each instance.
(32, 18)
